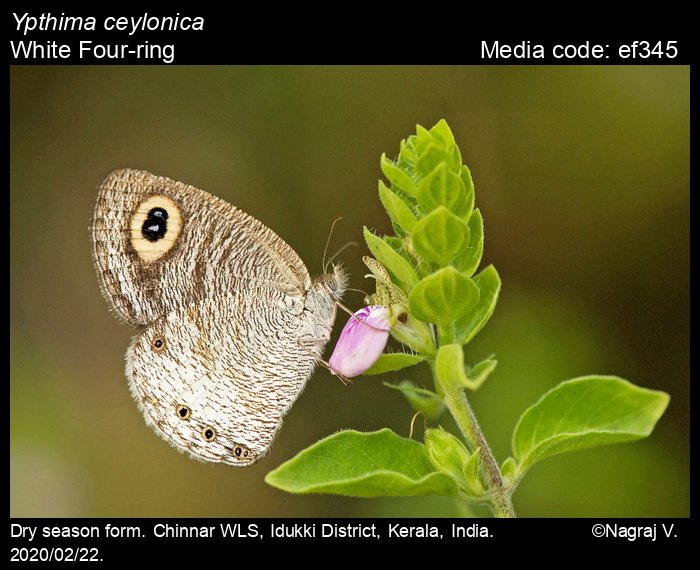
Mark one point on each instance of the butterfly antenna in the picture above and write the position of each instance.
(341, 250)
(328, 240)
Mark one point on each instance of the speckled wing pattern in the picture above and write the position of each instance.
(230, 322)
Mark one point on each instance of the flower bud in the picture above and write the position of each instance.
(362, 341)
(446, 452)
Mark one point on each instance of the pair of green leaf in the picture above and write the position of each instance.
(442, 189)
(580, 413)
(449, 363)
(448, 294)
(439, 235)
(488, 284)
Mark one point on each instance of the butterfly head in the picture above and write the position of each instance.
(335, 281)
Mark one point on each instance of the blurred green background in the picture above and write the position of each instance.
(581, 173)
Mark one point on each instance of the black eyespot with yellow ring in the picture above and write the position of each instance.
(155, 226)
(241, 452)
(183, 412)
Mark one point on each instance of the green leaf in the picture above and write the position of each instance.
(470, 257)
(397, 177)
(394, 242)
(508, 468)
(399, 212)
(466, 177)
(440, 236)
(421, 140)
(457, 161)
(443, 133)
(471, 473)
(443, 297)
(423, 135)
(407, 158)
(481, 372)
(444, 188)
(393, 361)
(420, 399)
(489, 284)
(585, 412)
(433, 156)
(390, 259)
(355, 464)
(449, 365)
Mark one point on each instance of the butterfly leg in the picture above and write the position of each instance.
(305, 343)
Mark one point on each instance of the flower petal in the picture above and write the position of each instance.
(361, 342)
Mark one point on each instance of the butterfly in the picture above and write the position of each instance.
(230, 325)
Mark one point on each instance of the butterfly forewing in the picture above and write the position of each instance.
(159, 244)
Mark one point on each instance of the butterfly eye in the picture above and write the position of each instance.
(332, 283)
(336, 282)
(183, 412)
(158, 344)
(209, 434)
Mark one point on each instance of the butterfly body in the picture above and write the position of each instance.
(231, 324)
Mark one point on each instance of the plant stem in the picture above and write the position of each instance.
(459, 407)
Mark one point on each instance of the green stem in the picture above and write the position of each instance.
(459, 407)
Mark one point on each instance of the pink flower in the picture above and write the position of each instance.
(362, 341)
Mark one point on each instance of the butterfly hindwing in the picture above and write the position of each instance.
(215, 378)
